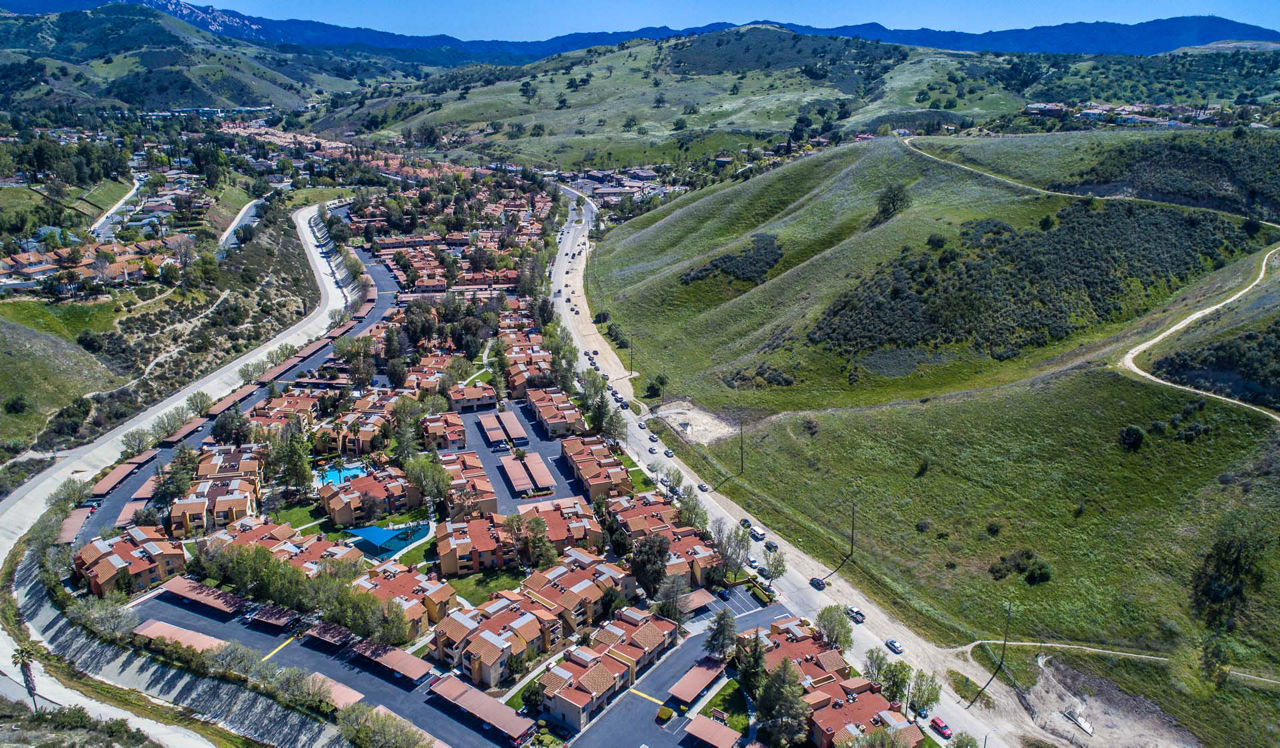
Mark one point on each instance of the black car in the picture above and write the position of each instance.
(770, 545)
(745, 522)
(817, 583)
(723, 594)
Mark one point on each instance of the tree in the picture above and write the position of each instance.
(135, 441)
(722, 636)
(891, 201)
(199, 402)
(397, 372)
(361, 726)
(835, 627)
(874, 663)
(670, 593)
(295, 466)
(1131, 438)
(896, 679)
(231, 427)
(776, 564)
(750, 662)
(649, 562)
(692, 513)
(925, 690)
(964, 740)
(781, 710)
(407, 443)
(734, 544)
(429, 476)
(611, 600)
(533, 698)
(22, 658)
(1232, 568)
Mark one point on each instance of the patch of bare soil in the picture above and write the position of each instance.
(1117, 718)
(697, 425)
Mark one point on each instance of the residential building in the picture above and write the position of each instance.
(420, 597)
(468, 546)
(369, 496)
(570, 523)
(133, 560)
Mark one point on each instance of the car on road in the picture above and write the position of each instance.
(653, 450)
(817, 583)
(940, 727)
(668, 453)
(770, 545)
(894, 646)
(752, 562)
(641, 425)
(744, 522)
(595, 353)
(653, 437)
(856, 615)
(703, 487)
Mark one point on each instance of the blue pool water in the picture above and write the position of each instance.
(334, 475)
(380, 543)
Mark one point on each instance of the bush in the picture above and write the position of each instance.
(1039, 573)
(751, 265)
(665, 713)
(1131, 438)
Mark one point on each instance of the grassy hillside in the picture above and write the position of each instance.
(787, 292)
(48, 370)
(678, 99)
(1227, 171)
(124, 54)
(949, 487)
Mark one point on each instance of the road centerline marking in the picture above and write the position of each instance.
(644, 695)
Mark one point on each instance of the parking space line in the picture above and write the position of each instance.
(644, 695)
(277, 649)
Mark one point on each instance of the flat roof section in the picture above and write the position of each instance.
(187, 429)
(393, 658)
(130, 509)
(713, 733)
(511, 424)
(153, 629)
(235, 398)
(519, 477)
(694, 682)
(274, 615)
(113, 478)
(72, 524)
(196, 592)
(330, 633)
(493, 432)
(539, 472)
(483, 707)
(341, 695)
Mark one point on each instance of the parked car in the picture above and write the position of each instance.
(770, 545)
(920, 713)
(653, 437)
(752, 562)
(703, 487)
(744, 521)
(723, 594)
(653, 450)
(817, 583)
(894, 646)
(762, 572)
(642, 425)
(595, 353)
(757, 532)
(856, 615)
(668, 453)
(940, 727)
(625, 405)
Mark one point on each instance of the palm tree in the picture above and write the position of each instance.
(23, 656)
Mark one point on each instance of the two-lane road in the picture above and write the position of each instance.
(568, 278)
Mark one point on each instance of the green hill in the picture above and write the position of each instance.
(791, 291)
(129, 55)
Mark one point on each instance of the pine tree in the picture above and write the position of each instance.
(782, 711)
(722, 636)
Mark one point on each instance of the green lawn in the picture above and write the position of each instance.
(310, 195)
(731, 700)
(477, 587)
(299, 515)
(416, 555)
(49, 371)
(417, 514)
(226, 205)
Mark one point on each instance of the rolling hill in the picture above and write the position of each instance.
(128, 55)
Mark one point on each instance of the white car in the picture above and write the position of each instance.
(752, 562)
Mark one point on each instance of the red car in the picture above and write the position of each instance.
(940, 727)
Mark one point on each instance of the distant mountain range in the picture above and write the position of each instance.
(1147, 38)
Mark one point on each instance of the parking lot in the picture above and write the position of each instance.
(740, 603)
(286, 648)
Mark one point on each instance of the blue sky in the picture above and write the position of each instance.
(540, 19)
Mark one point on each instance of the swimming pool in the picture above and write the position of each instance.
(382, 543)
(334, 474)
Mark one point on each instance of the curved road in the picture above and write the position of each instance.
(20, 510)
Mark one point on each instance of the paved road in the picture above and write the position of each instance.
(20, 510)
(793, 587)
(104, 229)
(247, 215)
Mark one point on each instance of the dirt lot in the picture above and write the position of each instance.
(697, 425)
(1118, 719)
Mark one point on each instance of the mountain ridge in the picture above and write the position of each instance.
(1101, 37)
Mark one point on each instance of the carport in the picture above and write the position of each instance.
(483, 707)
(713, 733)
(693, 683)
(154, 629)
(699, 598)
(189, 589)
(394, 659)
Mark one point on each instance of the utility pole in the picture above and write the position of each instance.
(1008, 618)
(853, 527)
(742, 451)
